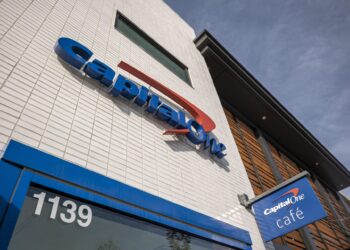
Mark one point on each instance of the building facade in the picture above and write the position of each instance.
(49, 106)
(98, 100)
(274, 147)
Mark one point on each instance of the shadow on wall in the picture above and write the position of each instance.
(177, 144)
(184, 145)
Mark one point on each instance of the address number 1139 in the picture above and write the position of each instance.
(82, 214)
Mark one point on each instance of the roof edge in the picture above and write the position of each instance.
(205, 38)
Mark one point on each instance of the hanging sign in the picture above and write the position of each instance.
(287, 209)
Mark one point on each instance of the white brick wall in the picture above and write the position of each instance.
(45, 104)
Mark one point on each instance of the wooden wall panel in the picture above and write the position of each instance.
(343, 213)
(279, 162)
(265, 172)
(246, 157)
(289, 169)
(339, 223)
(328, 229)
(259, 172)
(327, 233)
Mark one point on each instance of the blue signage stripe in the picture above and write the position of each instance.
(8, 180)
(31, 158)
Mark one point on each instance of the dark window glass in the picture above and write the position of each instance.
(151, 47)
(107, 229)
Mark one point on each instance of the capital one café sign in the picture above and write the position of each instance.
(289, 208)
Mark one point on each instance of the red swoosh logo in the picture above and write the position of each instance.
(294, 191)
(203, 119)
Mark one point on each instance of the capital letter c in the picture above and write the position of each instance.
(72, 52)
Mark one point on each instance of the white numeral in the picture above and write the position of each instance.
(55, 201)
(70, 210)
(84, 211)
(39, 205)
(84, 216)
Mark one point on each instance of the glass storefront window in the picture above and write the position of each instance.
(53, 221)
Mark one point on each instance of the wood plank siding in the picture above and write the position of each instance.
(327, 233)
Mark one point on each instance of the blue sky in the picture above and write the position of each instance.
(299, 50)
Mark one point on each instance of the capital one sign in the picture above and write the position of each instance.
(197, 129)
(292, 207)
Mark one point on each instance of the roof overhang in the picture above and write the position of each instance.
(239, 89)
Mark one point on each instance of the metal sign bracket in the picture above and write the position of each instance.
(247, 203)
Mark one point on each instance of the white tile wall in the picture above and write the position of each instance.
(45, 104)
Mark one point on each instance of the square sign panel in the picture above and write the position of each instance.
(287, 209)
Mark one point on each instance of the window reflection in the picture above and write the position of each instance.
(108, 229)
